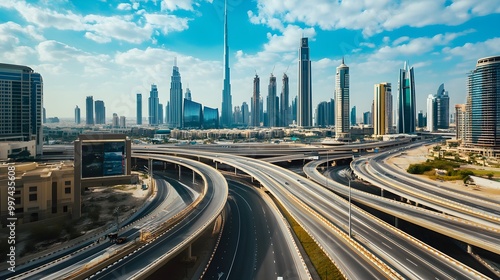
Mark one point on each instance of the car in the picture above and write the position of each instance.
(121, 240)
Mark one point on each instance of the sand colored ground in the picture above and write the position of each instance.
(419, 155)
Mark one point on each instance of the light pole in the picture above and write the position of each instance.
(348, 176)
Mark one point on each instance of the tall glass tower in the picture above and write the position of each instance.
(304, 106)
(153, 102)
(382, 109)
(406, 100)
(271, 102)
(227, 104)
(483, 107)
(256, 102)
(175, 109)
(77, 115)
(284, 111)
(342, 127)
(89, 110)
(139, 108)
(442, 108)
(100, 112)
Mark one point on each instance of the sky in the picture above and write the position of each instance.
(115, 49)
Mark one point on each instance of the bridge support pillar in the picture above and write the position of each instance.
(396, 222)
(194, 176)
(188, 257)
(179, 172)
(382, 192)
(235, 171)
(469, 249)
(215, 165)
(164, 165)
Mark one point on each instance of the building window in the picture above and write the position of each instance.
(67, 183)
(65, 208)
(33, 189)
(67, 190)
(33, 197)
(17, 200)
(18, 192)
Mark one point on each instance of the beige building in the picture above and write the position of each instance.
(41, 191)
(8, 149)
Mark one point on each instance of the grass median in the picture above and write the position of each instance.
(324, 267)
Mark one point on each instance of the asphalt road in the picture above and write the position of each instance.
(252, 245)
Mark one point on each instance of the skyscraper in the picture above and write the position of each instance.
(175, 109)
(89, 110)
(153, 102)
(460, 121)
(77, 115)
(160, 113)
(285, 106)
(245, 113)
(482, 108)
(256, 102)
(431, 113)
(321, 114)
(406, 100)
(123, 123)
(382, 109)
(342, 127)
(353, 116)
(139, 109)
(44, 116)
(304, 106)
(188, 94)
(115, 122)
(272, 114)
(21, 95)
(442, 108)
(227, 104)
(100, 112)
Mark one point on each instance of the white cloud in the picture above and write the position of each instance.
(371, 16)
(487, 48)
(166, 23)
(124, 6)
(172, 5)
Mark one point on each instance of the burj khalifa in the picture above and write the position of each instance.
(227, 107)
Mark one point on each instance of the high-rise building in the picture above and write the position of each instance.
(382, 109)
(153, 102)
(245, 113)
(77, 115)
(331, 112)
(285, 106)
(342, 127)
(353, 116)
(442, 108)
(256, 102)
(139, 109)
(188, 94)
(175, 109)
(160, 113)
(482, 108)
(210, 118)
(272, 113)
(123, 122)
(420, 119)
(100, 112)
(294, 109)
(406, 100)
(44, 117)
(460, 121)
(431, 113)
(304, 105)
(193, 114)
(227, 103)
(322, 114)
(367, 118)
(21, 100)
(237, 116)
(115, 122)
(89, 110)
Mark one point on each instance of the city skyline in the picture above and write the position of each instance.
(124, 47)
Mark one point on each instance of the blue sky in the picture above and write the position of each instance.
(115, 49)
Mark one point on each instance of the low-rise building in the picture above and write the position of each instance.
(42, 191)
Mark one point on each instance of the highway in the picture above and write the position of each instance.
(447, 225)
(483, 213)
(255, 241)
(409, 258)
(153, 255)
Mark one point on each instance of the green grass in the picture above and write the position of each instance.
(324, 267)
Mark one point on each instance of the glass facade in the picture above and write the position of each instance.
(193, 115)
(483, 105)
(210, 118)
(406, 101)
